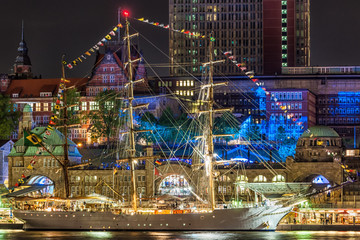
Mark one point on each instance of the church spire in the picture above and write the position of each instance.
(22, 30)
(22, 66)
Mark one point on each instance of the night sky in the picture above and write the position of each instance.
(71, 27)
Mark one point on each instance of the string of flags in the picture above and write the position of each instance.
(93, 49)
(160, 25)
(232, 58)
(32, 139)
(251, 76)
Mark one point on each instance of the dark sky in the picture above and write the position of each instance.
(73, 26)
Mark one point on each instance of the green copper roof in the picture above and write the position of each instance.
(54, 141)
(27, 108)
(320, 131)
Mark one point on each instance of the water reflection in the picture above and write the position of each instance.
(62, 235)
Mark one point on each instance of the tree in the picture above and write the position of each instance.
(105, 116)
(287, 148)
(253, 133)
(226, 124)
(167, 118)
(9, 117)
(148, 122)
(281, 134)
(72, 99)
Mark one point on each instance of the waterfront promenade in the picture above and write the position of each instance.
(318, 227)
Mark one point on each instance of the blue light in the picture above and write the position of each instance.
(320, 180)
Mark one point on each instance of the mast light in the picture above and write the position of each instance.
(126, 13)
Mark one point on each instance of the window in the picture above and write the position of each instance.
(45, 94)
(112, 78)
(278, 178)
(93, 106)
(84, 106)
(37, 107)
(260, 178)
(46, 107)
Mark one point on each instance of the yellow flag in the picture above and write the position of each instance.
(30, 167)
(141, 19)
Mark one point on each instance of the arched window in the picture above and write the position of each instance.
(260, 178)
(224, 178)
(278, 178)
(242, 179)
(175, 185)
(320, 180)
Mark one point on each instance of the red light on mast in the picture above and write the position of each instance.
(126, 13)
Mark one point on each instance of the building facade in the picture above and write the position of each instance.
(265, 35)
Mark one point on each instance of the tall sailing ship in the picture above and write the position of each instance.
(257, 216)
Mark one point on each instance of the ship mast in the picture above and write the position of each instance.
(66, 161)
(208, 133)
(130, 108)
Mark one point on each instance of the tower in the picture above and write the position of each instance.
(26, 121)
(22, 66)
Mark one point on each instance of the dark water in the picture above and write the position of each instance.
(50, 235)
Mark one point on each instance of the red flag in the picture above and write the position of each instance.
(52, 123)
(16, 184)
(156, 172)
(23, 176)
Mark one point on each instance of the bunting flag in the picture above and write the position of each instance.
(20, 182)
(160, 25)
(32, 139)
(251, 76)
(93, 49)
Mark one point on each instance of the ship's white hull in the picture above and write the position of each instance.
(260, 218)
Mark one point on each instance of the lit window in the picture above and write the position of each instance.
(278, 178)
(84, 106)
(260, 178)
(37, 106)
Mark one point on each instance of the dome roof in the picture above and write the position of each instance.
(320, 131)
(27, 108)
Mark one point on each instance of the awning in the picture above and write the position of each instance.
(277, 188)
(31, 188)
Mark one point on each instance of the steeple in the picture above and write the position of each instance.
(26, 121)
(22, 66)
(22, 30)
